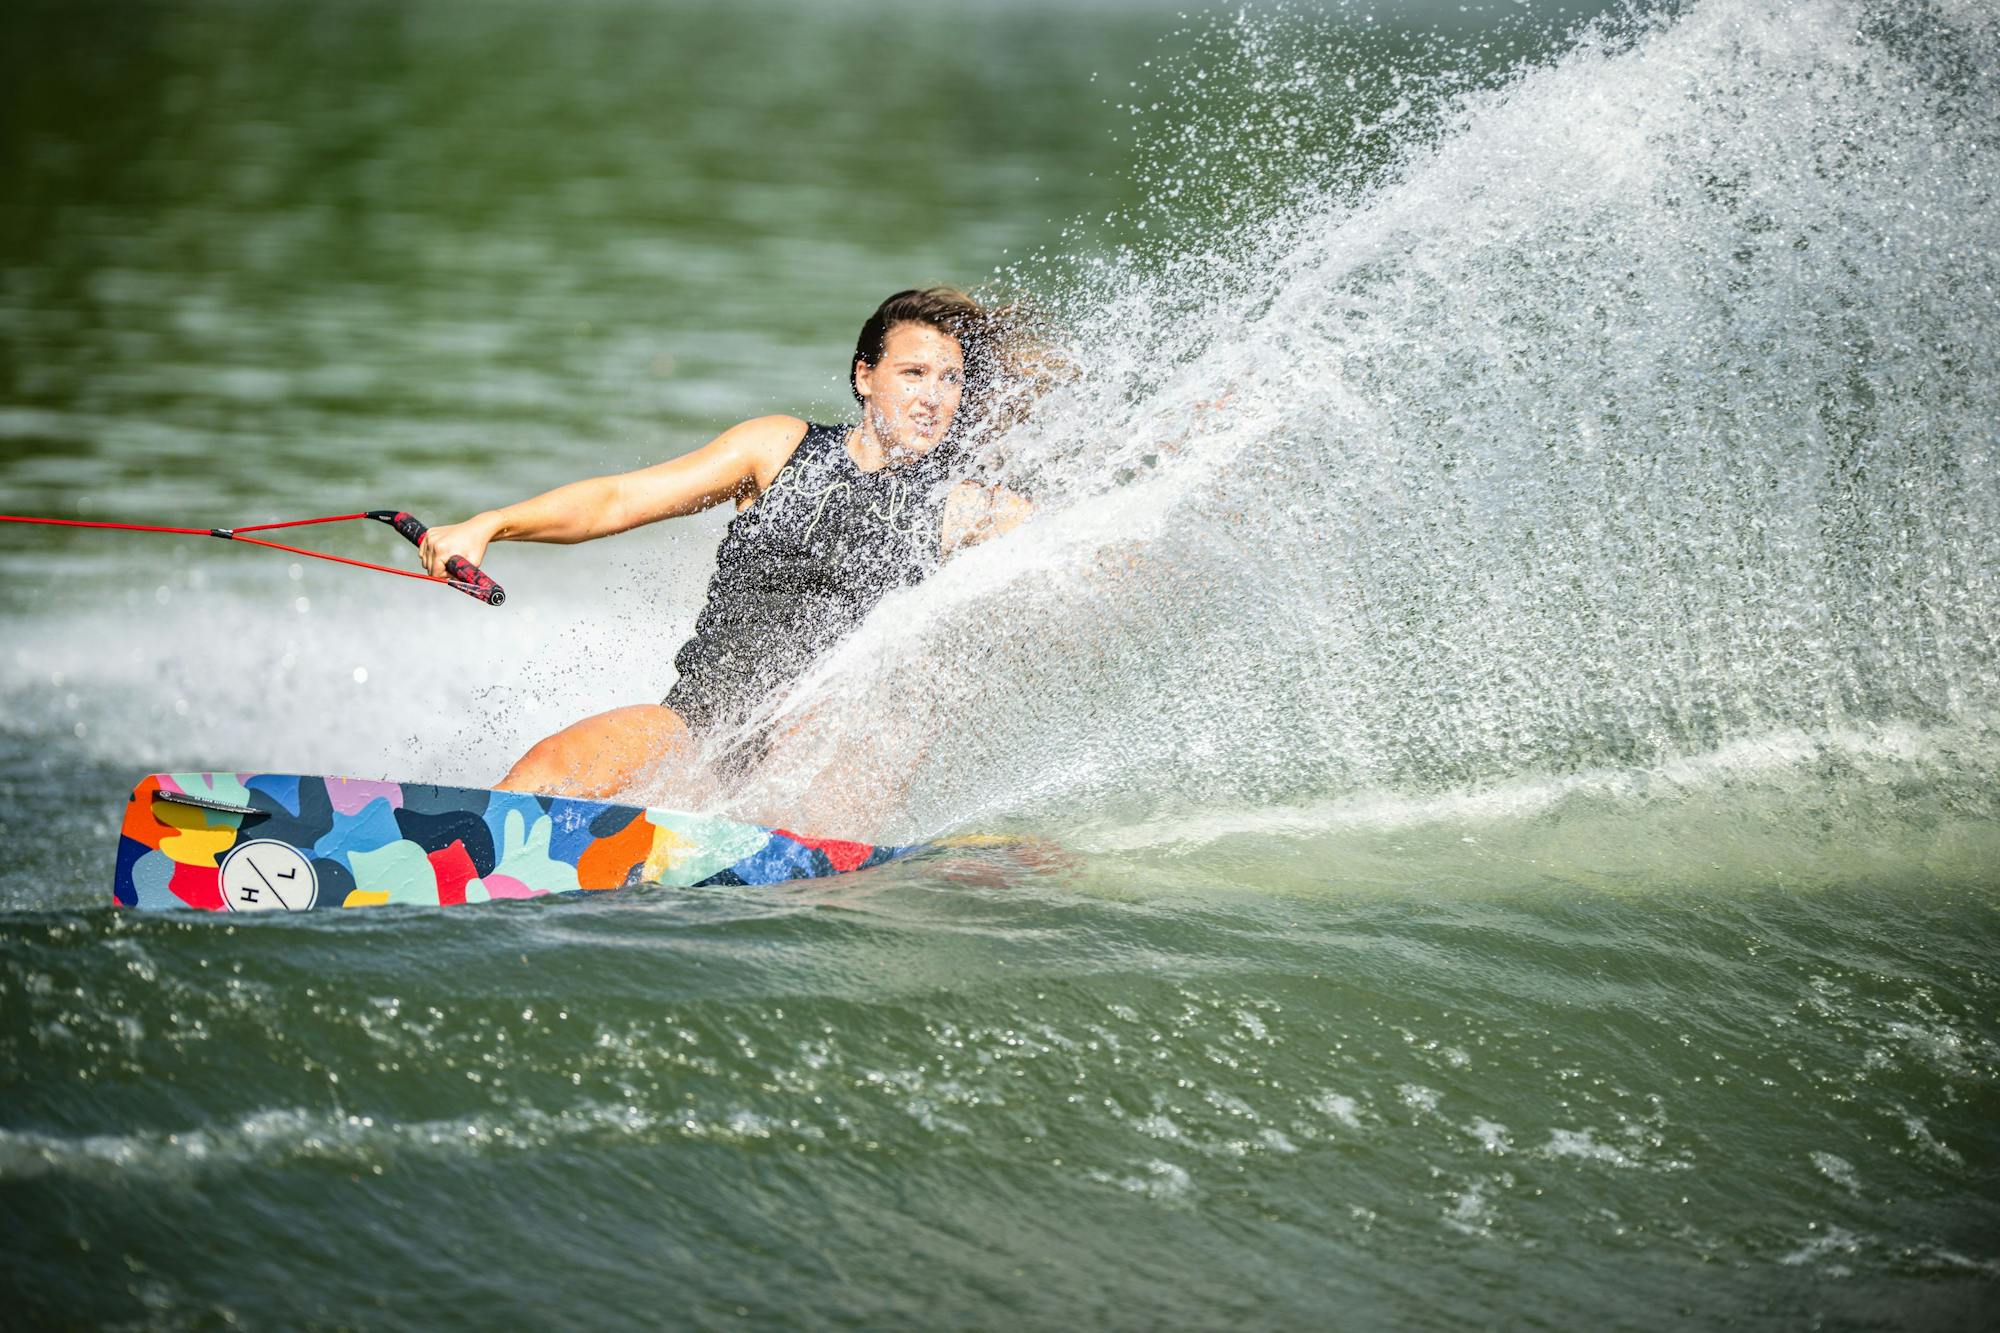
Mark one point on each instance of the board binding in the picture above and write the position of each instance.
(260, 842)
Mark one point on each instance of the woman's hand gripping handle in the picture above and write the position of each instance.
(452, 557)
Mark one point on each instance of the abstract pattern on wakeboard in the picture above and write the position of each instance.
(353, 842)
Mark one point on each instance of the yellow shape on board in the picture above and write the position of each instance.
(667, 848)
(198, 841)
(365, 898)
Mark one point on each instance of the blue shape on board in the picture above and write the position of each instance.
(435, 831)
(529, 807)
(280, 787)
(336, 881)
(613, 819)
(122, 886)
(572, 820)
(372, 829)
(781, 859)
(309, 818)
(882, 856)
(151, 875)
(426, 799)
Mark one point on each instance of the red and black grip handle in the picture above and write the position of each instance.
(461, 573)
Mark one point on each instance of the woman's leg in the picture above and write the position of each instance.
(602, 755)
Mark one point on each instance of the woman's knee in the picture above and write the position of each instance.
(600, 754)
(541, 768)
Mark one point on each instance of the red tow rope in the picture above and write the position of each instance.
(461, 573)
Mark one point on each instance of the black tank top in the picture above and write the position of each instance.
(801, 567)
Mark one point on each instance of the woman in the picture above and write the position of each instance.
(829, 520)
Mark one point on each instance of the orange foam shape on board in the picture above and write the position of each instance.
(606, 862)
(140, 823)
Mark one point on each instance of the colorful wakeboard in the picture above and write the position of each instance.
(261, 842)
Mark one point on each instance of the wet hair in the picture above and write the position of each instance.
(1009, 363)
(946, 309)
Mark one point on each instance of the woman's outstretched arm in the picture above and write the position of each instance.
(736, 465)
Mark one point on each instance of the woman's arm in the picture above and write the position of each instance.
(736, 465)
(974, 513)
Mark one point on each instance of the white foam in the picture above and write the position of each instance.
(1418, 1097)
(1162, 1181)
(282, 1134)
(1920, 1134)
(1344, 1110)
(1834, 1240)
(1492, 1136)
(1837, 1169)
(1583, 1145)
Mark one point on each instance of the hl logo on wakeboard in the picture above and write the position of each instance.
(267, 876)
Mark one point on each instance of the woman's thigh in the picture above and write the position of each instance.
(603, 755)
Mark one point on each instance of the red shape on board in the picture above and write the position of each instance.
(454, 870)
(197, 886)
(843, 856)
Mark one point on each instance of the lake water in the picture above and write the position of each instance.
(1501, 678)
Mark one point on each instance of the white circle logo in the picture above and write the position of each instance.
(267, 876)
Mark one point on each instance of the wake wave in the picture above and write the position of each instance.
(1645, 403)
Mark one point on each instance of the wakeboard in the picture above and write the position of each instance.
(267, 842)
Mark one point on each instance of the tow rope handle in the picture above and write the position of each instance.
(461, 573)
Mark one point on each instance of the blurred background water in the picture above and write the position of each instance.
(1504, 661)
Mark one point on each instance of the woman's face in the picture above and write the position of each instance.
(912, 393)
